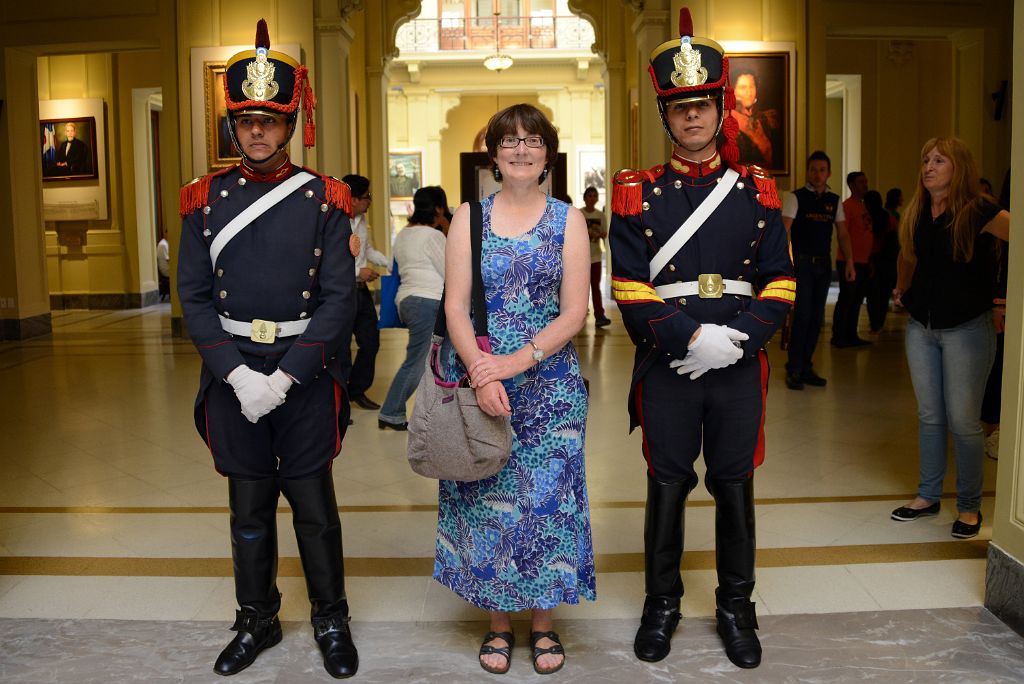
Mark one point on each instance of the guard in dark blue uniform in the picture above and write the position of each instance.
(265, 281)
(702, 275)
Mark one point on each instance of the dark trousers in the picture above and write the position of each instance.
(721, 411)
(883, 280)
(595, 289)
(813, 277)
(847, 311)
(359, 373)
(297, 440)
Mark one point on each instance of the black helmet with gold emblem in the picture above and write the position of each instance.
(691, 68)
(264, 81)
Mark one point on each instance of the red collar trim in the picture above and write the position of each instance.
(695, 169)
(275, 176)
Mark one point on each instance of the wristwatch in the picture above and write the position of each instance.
(538, 353)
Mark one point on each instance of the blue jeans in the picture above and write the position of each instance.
(419, 314)
(949, 369)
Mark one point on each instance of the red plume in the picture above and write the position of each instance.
(685, 22)
(262, 35)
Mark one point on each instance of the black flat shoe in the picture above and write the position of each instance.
(384, 425)
(255, 635)
(794, 382)
(962, 530)
(538, 651)
(504, 651)
(364, 402)
(905, 514)
(813, 379)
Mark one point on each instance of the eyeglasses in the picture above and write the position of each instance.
(368, 197)
(511, 141)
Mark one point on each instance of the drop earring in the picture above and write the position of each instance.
(543, 176)
(497, 174)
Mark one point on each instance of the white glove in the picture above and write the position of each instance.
(717, 346)
(254, 392)
(691, 364)
(280, 382)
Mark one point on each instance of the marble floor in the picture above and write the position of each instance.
(114, 550)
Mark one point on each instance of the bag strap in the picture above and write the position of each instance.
(479, 303)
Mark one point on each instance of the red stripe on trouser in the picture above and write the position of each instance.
(762, 358)
(209, 439)
(337, 428)
(638, 399)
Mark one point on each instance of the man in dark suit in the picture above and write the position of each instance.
(72, 158)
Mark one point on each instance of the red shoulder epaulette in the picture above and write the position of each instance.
(336, 192)
(628, 190)
(195, 194)
(767, 193)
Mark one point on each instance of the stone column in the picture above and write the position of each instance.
(24, 291)
(651, 28)
(333, 116)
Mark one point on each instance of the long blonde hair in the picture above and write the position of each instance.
(961, 202)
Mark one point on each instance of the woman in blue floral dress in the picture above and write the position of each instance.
(520, 540)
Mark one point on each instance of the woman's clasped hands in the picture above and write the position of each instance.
(483, 374)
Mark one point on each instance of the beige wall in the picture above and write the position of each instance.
(108, 264)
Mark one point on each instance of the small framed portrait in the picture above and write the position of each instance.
(405, 174)
(590, 172)
(220, 151)
(69, 148)
(762, 78)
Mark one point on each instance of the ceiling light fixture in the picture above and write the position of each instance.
(499, 61)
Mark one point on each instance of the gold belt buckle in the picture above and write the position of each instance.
(710, 286)
(264, 332)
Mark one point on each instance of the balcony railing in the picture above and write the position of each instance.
(486, 33)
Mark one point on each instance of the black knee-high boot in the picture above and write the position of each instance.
(734, 558)
(663, 553)
(253, 506)
(318, 532)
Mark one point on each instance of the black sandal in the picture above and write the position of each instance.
(554, 650)
(506, 651)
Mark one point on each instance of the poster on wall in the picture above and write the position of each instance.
(69, 148)
(73, 152)
(590, 172)
(405, 173)
(761, 78)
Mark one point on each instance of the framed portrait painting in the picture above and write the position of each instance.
(220, 151)
(590, 172)
(762, 78)
(69, 148)
(405, 174)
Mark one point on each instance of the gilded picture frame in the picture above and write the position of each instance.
(762, 76)
(220, 151)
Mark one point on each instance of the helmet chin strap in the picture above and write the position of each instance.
(719, 101)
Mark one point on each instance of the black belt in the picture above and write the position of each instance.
(811, 259)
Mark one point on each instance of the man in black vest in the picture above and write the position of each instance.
(809, 215)
(265, 281)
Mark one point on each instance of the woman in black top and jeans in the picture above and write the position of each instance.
(950, 237)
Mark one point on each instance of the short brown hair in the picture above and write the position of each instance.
(508, 122)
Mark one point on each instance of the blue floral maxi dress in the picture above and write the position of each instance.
(521, 539)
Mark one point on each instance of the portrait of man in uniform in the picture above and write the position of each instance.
(761, 84)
